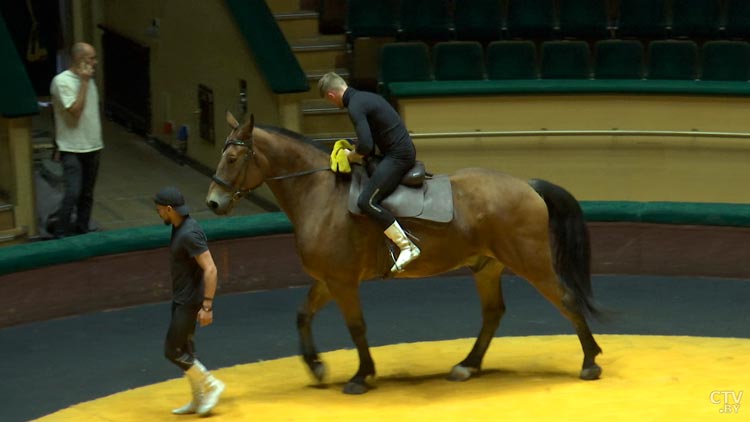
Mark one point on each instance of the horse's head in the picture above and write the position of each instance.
(237, 173)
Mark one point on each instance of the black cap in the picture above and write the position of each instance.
(171, 196)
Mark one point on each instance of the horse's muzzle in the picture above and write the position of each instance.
(219, 202)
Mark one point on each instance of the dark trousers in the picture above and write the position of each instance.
(178, 345)
(79, 171)
(384, 180)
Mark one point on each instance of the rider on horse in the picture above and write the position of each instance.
(377, 124)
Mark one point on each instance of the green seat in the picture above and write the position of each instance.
(367, 18)
(530, 18)
(642, 18)
(511, 60)
(738, 19)
(618, 59)
(672, 59)
(426, 20)
(479, 20)
(725, 61)
(405, 62)
(695, 18)
(565, 60)
(583, 18)
(458, 60)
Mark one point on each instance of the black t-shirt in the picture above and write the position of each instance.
(377, 123)
(188, 241)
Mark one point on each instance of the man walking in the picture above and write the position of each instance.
(193, 287)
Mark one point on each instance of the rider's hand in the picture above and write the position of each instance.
(353, 157)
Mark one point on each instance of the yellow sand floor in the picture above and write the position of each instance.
(645, 378)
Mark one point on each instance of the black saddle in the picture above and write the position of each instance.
(413, 178)
(431, 199)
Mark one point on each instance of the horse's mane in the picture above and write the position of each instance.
(293, 135)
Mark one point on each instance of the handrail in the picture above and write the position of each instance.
(610, 132)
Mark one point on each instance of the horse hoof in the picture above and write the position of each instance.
(355, 388)
(593, 372)
(318, 370)
(460, 373)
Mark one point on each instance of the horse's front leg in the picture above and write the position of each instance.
(347, 298)
(317, 297)
(487, 274)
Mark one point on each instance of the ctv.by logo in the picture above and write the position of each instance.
(729, 401)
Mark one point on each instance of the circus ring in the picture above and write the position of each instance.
(677, 347)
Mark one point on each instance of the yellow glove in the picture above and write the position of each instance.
(339, 162)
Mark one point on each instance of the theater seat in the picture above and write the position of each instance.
(405, 62)
(565, 60)
(642, 18)
(530, 19)
(618, 59)
(725, 61)
(478, 20)
(672, 59)
(583, 18)
(367, 18)
(458, 60)
(737, 23)
(512, 60)
(426, 20)
(695, 18)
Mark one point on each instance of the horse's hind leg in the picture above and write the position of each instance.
(549, 285)
(317, 297)
(487, 272)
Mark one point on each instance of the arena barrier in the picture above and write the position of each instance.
(117, 268)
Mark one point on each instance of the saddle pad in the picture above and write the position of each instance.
(433, 201)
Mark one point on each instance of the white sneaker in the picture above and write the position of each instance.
(195, 388)
(187, 409)
(405, 257)
(408, 250)
(211, 392)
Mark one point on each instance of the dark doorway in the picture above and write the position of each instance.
(127, 86)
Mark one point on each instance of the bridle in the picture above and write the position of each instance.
(238, 192)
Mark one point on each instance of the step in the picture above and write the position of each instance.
(296, 25)
(320, 54)
(7, 220)
(326, 140)
(284, 6)
(312, 77)
(13, 236)
(319, 116)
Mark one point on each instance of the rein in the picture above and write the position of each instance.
(238, 193)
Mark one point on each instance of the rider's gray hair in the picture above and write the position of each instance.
(330, 82)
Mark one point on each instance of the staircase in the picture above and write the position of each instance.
(9, 233)
(317, 54)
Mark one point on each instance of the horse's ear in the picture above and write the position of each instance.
(247, 128)
(233, 123)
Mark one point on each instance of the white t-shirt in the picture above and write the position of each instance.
(84, 134)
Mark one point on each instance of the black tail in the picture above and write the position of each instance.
(571, 247)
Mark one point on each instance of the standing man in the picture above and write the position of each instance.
(377, 124)
(78, 135)
(193, 288)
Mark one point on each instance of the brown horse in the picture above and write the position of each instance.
(499, 221)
